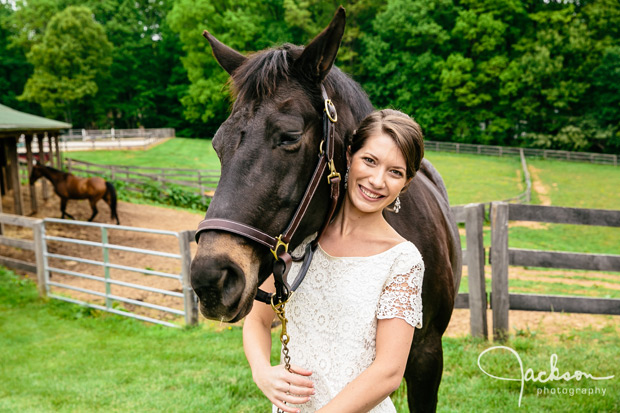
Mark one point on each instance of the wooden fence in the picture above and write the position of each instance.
(600, 158)
(35, 244)
(473, 258)
(203, 181)
(501, 257)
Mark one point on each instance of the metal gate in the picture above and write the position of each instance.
(189, 311)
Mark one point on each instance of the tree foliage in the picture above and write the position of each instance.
(68, 62)
(543, 73)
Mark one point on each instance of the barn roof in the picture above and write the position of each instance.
(12, 120)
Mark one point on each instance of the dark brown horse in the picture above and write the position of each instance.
(268, 148)
(68, 186)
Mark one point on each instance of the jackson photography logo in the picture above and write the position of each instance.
(543, 377)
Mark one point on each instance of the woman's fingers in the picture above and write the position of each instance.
(299, 381)
(301, 390)
(290, 399)
(285, 408)
(300, 370)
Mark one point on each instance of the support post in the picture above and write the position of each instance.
(44, 187)
(33, 191)
(51, 149)
(38, 231)
(58, 153)
(499, 270)
(106, 268)
(474, 220)
(17, 193)
(190, 299)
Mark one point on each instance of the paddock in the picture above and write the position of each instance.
(465, 321)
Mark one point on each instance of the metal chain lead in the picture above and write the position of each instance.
(284, 337)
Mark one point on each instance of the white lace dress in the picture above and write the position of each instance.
(333, 314)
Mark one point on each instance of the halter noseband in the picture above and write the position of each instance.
(279, 245)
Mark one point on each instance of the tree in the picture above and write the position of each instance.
(245, 25)
(73, 54)
(14, 68)
(403, 57)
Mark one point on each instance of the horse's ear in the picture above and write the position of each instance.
(227, 57)
(318, 57)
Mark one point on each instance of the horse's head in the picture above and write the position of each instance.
(268, 149)
(36, 173)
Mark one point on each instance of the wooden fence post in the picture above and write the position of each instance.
(190, 300)
(474, 220)
(37, 230)
(499, 270)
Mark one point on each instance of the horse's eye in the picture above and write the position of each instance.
(289, 138)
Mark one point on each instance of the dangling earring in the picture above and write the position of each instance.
(397, 205)
(346, 178)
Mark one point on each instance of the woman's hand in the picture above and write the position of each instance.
(280, 385)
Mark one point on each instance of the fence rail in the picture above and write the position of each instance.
(93, 134)
(203, 181)
(502, 256)
(477, 299)
(599, 158)
(190, 311)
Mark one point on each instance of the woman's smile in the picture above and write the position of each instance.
(371, 195)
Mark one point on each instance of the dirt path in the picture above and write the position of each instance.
(541, 189)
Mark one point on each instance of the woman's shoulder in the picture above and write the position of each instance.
(407, 256)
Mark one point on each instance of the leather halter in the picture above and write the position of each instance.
(279, 245)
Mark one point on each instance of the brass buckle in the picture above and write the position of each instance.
(279, 244)
(333, 172)
(321, 147)
(328, 105)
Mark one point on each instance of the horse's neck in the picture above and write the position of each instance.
(53, 175)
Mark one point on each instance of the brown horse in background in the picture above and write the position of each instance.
(68, 186)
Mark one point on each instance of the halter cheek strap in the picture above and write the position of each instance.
(279, 245)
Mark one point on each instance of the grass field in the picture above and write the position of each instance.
(55, 356)
(460, 172)
(174, 153)
(474, 178)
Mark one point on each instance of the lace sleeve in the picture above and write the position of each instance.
(402, 293)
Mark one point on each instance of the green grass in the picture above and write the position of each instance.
(478, 178)
(174, 153)
(56, 356)
(461, 173)
(468, 178)
(579, 185)
(559, 287)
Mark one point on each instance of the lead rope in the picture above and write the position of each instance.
(280, 311)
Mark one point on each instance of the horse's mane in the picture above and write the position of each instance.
(53, 169)
(259, 76)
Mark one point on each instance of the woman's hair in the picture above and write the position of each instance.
(405, 132)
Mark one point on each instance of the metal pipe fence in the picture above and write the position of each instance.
(189, 312)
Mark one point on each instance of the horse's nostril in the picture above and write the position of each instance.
(217, 285)
(233, 284)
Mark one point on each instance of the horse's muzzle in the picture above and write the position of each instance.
(219, 276)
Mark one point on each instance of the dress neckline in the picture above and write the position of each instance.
(361, 257)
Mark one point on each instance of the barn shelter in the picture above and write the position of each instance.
(14, 124)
